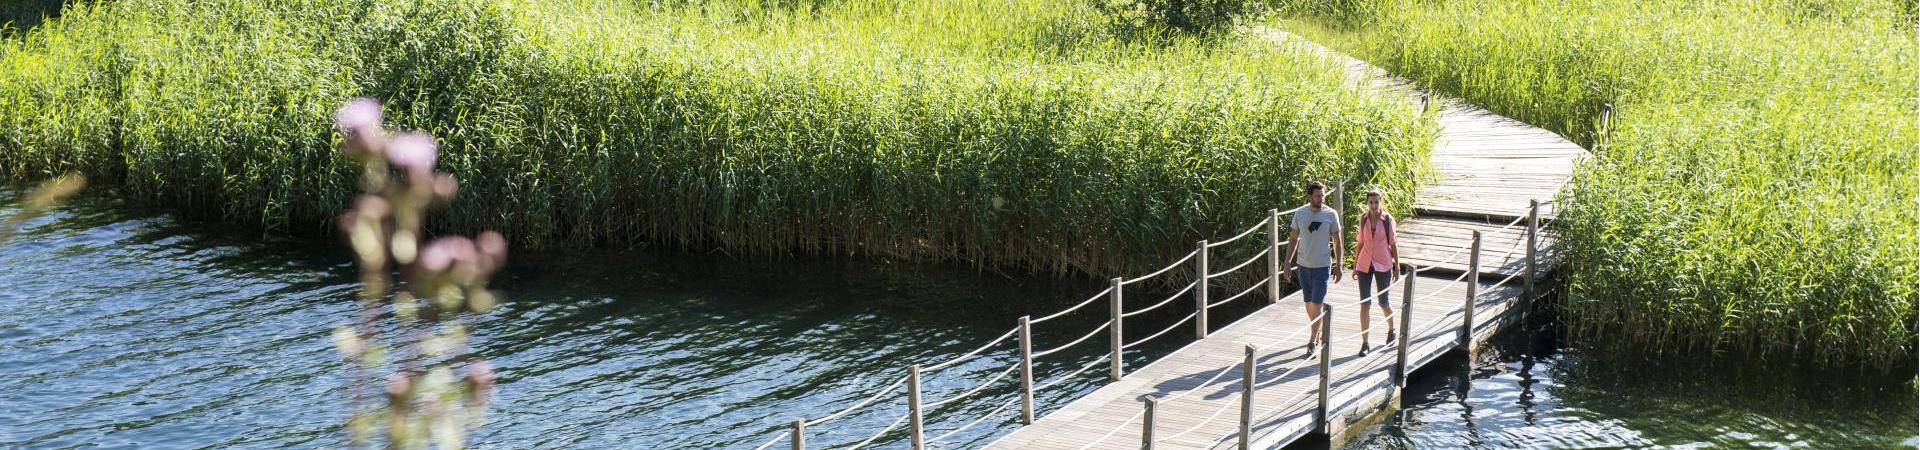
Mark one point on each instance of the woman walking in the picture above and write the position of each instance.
(1376, 263)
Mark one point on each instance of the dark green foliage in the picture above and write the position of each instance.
(17, 15)
(1189, 16)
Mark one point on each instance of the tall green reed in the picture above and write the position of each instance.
(1755, 193)
(1008, 132)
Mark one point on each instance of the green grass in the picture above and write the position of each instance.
(1756, 193)
(1005, 132)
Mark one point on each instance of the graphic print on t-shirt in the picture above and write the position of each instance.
(1312, 227)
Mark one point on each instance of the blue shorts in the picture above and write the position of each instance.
(1313, 283)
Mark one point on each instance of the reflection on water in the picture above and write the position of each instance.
(127, 330)
(1528, 392)
(123, 330)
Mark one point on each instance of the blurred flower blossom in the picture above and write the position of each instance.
(359, 116)
(443, 278)
(413, 152)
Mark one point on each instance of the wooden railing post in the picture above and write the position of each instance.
(1325, 413)
(1606, 126)
(1248, 382)
(1200, 291)
(1273, 255)
(914, 422)
(1335, 199)
(799, 436)
(1473, 292)
(1146, 427)
(1026, 370)
(1113, 330)
(1406, 319)
(1533, 233)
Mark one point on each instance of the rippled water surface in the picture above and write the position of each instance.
(1529, 392)
(129, 330)
(122, 330)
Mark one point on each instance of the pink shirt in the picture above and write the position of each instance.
(1376, 238)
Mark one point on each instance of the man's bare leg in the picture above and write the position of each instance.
(1313, 332)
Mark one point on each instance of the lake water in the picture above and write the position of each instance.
(121, 329)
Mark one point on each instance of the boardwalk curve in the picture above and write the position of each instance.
(1469, 245)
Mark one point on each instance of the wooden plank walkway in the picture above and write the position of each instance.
(1488, 168)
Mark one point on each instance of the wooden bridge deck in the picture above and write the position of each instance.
(1488, 168)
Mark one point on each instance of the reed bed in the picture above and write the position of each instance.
(1013, 133)
(1755, 193)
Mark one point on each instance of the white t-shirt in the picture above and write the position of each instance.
(1316, 242)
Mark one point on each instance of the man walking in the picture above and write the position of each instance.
(1313, 245)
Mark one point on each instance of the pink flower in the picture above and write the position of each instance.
(412, 151)
(372, 207)
(493, 250)
(359, 116)
(480, 374)
(444, 186)
(399, 386)
(444, 252)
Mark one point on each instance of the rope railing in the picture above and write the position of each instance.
(1433, 324)
(1202, 424)
(1509, 254)
(1364, 330)
(981, 387)
(976, 352)
(1216, 413)
(1170, 299)
(1083, 369)
(1103, 294)
(1456, 280)
(1249, 232)
(1463, 249)
(1256, 257)
(1311, 323)
(977, 421)
(1096, 332)
(1175, 396)
(1376, 293)
(1366, 360)
(1110, 433)
(1176, 324)
(1215, 377)
(1281, 404)
(868, 401)
(1256, 286)
(1183, 260)
(777, 437)
(1503, 281)
(883, 432)
(1237, 237)
(1400, 314)
(1118, 312)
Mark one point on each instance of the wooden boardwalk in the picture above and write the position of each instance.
(1489, 167)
